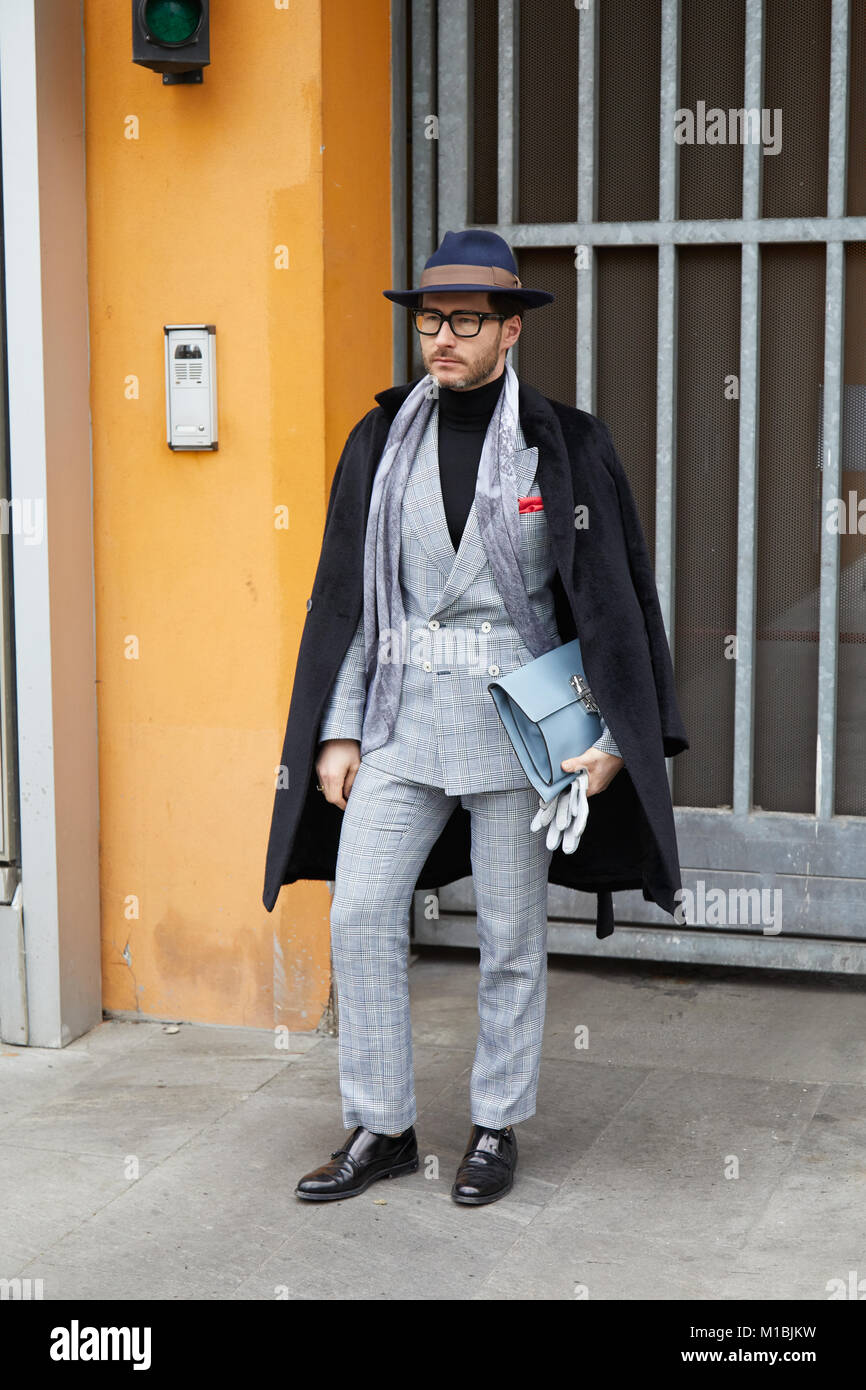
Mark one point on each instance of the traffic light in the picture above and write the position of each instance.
(172, 37)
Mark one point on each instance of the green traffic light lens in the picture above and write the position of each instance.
(172, 21)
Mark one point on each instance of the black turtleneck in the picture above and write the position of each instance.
(463, 420)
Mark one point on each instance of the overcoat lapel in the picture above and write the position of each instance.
(542, 431)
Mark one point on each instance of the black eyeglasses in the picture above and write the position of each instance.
(464, 323)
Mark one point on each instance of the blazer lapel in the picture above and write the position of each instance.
(426, 515)
(525, 469)
(472, 556)
(422, 502)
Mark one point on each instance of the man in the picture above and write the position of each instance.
(472, 525)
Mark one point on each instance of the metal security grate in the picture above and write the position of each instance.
(627, 301)
(547, 344)
(546, 72)
(682, 270)
(851, 699)
(788, 543)
(485, 75)
(796, 82)
(856, 197)
(712, 75)
(705, 600)
(629, 70)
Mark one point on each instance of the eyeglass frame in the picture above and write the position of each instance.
(446, 318)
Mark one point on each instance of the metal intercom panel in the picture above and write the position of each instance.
(190, 385)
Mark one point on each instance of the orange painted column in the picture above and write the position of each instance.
(258, 201)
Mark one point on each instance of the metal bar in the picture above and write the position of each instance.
(747, 506)
(507, 111)
(666, 433)
(668, 104)
(837, 145)
(662, 942)
(455, 103)
(725, 232)
(587, 88)
(425, 142)
(425, 146)
(831, 461)
(399, 153)
(666, 317)
(753, 94)
(719, 844)
(747, 473)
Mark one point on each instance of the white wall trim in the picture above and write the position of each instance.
(41, 115)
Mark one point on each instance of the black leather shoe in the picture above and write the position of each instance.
(366, 1157)
(488, 1166)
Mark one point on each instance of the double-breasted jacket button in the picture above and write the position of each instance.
(309, 604)
(493, 670)
(485, 627)
(434, 623)
(427, 666)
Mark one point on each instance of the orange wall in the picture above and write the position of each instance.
(183, 226)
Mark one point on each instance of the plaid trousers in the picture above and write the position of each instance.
(389, 827)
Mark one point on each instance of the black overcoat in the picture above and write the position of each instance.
(605, 594)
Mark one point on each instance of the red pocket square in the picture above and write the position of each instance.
(530, 504)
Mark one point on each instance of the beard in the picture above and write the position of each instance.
(476, 373)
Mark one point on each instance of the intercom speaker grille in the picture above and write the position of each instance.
(189, 370)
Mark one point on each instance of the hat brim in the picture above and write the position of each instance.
(530, 299)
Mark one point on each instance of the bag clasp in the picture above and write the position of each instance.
(584, 694)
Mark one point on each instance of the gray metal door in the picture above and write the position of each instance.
(678, 174)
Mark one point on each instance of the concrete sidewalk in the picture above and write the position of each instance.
(138, 1163)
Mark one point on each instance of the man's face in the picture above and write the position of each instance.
(464, 363)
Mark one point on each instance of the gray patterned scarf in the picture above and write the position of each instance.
(499, 523)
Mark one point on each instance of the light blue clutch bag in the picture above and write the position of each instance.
(549, 714)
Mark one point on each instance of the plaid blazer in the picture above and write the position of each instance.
(457, 637)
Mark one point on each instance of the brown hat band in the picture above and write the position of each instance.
(461, 274)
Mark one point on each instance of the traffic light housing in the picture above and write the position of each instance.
(172, 37)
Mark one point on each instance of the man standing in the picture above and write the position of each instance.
(450, 557)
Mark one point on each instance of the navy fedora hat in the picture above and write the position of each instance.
(471, 260)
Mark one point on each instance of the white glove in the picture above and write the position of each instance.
(565, 815)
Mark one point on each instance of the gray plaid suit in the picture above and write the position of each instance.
(448, 743)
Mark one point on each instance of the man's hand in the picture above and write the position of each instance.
(336, 765)
(602, 768)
